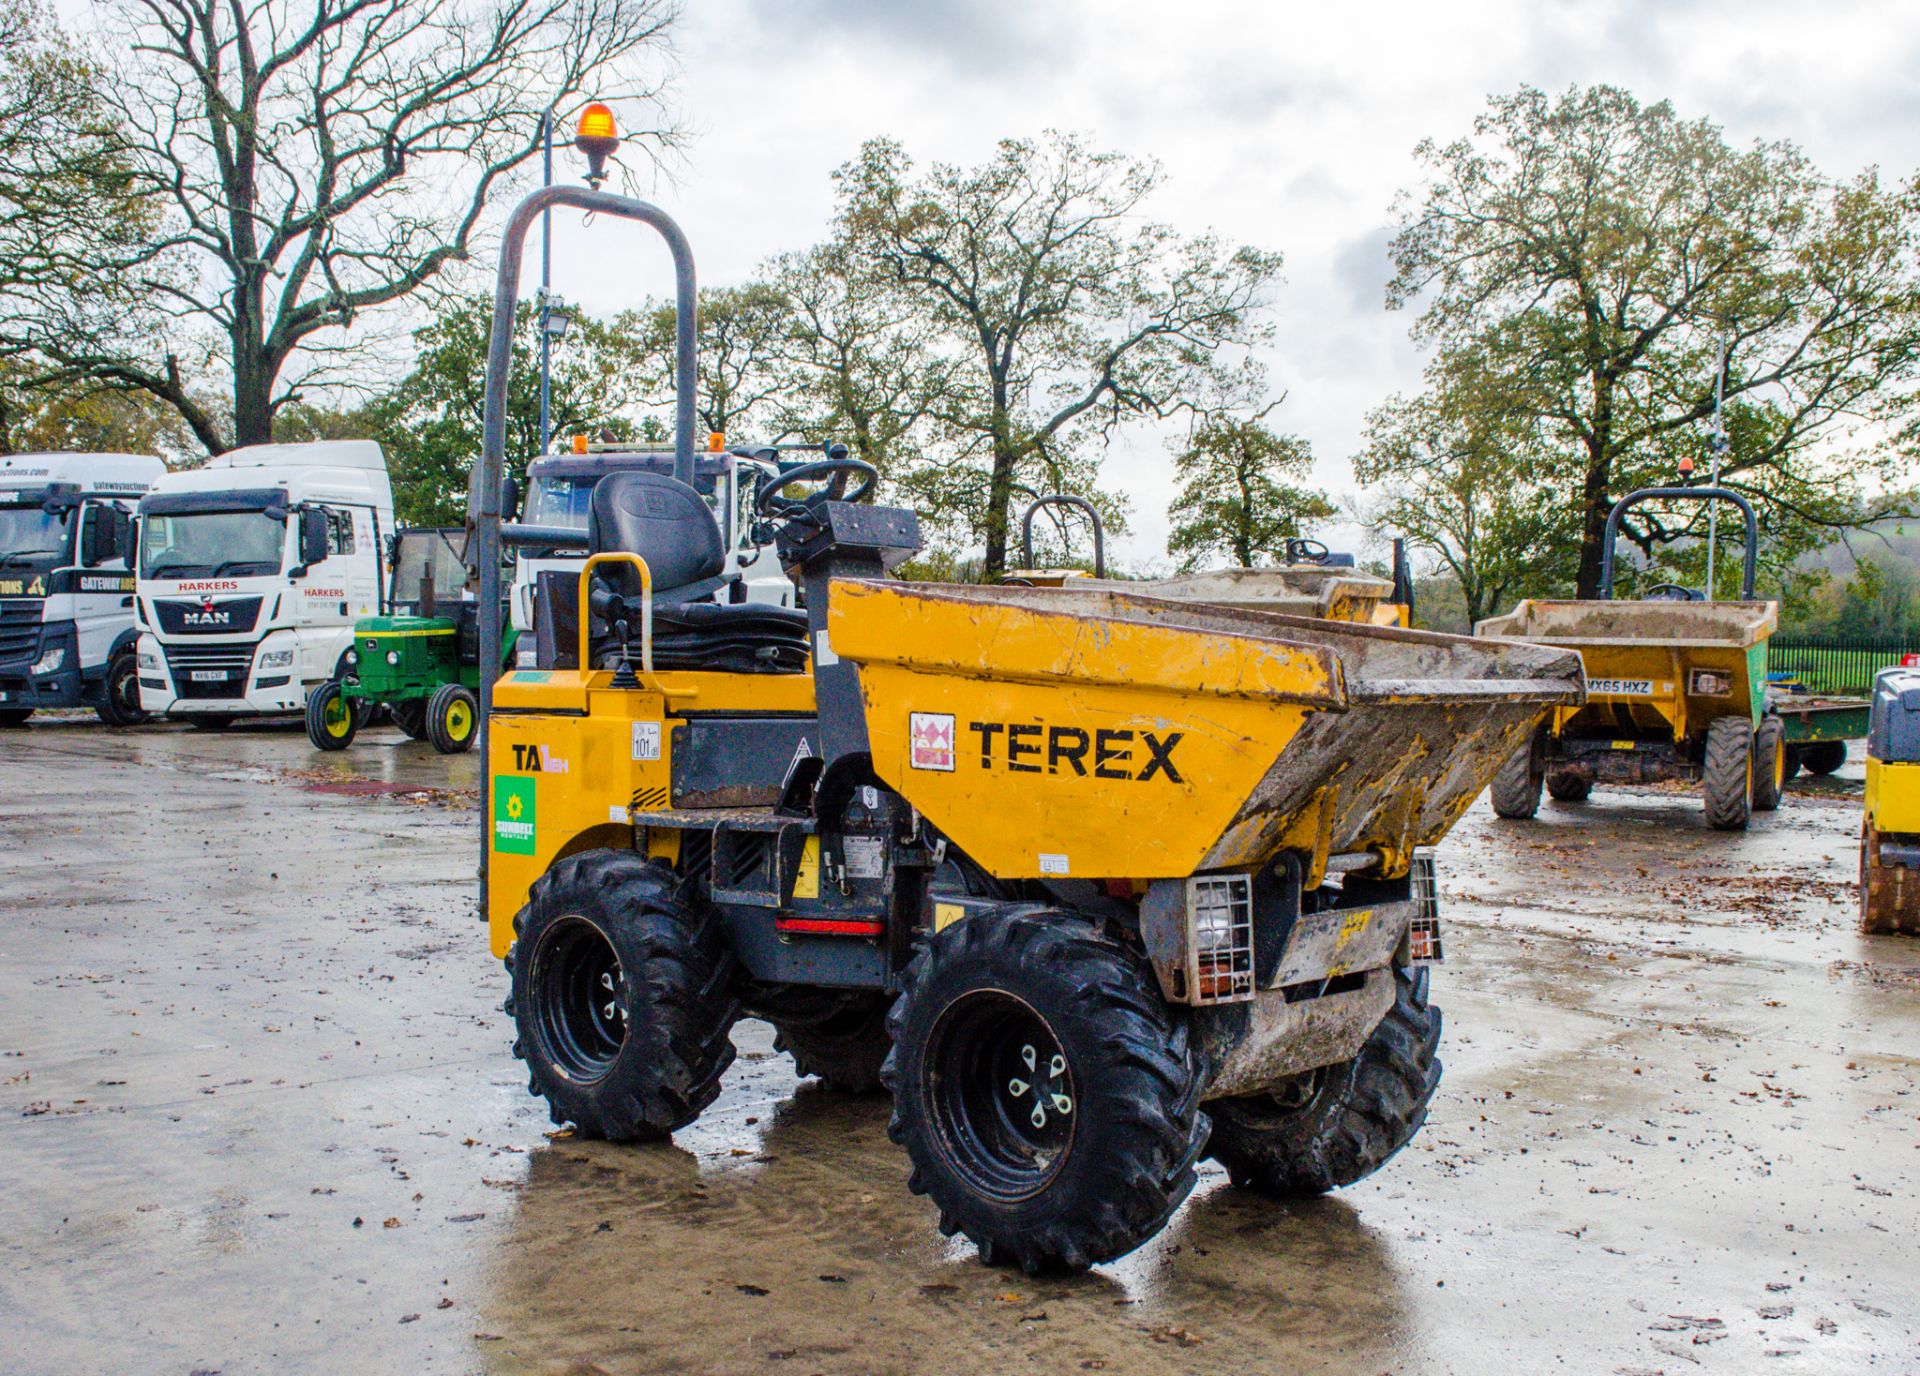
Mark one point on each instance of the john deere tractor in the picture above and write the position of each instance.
(420, 661)
(1092, 884)
(1676, 689)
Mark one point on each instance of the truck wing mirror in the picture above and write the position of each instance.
(313, 536)
(96, 538)
(131, 541)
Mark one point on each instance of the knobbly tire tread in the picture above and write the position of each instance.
(1725, 783)
(1516, 788)
(845, 1056)
(1769, 746)
(678, 974)
(1568, 788)
(411, 717)
(1363, 1111)
(1137, 1077)
(316, 715)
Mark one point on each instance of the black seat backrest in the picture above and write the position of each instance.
(662, 520)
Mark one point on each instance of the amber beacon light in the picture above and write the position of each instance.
(597, 137)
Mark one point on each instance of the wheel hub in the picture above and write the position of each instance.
(1000, 1094)
(580, 998)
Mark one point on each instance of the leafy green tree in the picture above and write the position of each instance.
(305, 165)
(1063, 312)
(1242, 493)
(430, 423)
(1590, 255)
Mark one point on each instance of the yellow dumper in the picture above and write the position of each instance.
(1890, 832)
(1092, 883)
(1676, 689)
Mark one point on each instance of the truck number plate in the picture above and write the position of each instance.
(209, 675)
(1622, 687)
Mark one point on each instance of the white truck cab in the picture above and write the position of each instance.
(252, 571)
(560, 487)
(66, 587)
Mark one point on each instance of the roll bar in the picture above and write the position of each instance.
(487, 533)
(1691, 494)
(1080, 504)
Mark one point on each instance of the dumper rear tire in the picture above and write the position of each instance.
(1047, 1096)
(1341, 1123)
(1516, 788)
(622, 997)
(331, 720)
(1823, 757)
(1769, 764)
(1567, 787)
(1726, 773)
(842, 1043)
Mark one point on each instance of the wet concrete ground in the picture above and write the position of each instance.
(257, 1114)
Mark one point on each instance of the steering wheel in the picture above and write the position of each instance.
(769, 502)
(1306, 552)
(1671, 592)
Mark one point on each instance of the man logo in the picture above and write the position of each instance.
(930, 741)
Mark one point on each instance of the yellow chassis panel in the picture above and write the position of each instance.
(1893, 796)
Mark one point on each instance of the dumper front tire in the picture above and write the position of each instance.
(1339, 1124)
(1516, 788)
(1726, 773)
(331, 720)
(1769, 764)
(1047, 1096)
(622, 997)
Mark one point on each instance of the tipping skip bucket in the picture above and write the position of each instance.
(1095, 734)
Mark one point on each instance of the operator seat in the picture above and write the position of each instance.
(669, 525)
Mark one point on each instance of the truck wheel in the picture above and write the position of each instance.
(843, 1046)
(622, 997)
(1048, 1098)
(1568, 787)
(1333, 1126)
(411, 717)
(15, 716)
(1769, 764)
(1516, 788)
(120, 695)
(1889, 894)
(1823, 757)
(1726, 774)
(331, 721)
(453, 714)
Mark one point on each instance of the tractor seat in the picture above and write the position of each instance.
(670, 525)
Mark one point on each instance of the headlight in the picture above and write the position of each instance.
(277, 659)
(148, 661)
(51, 660)
(393, 657)
(353, 657)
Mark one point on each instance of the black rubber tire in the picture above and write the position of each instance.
(1726, 773)
(14, 716)
(212, 721)
(331, 720)
(453, 719)
(1769, 764)
(1568, 787)
(120, 694)
(1045, 983)
(1793, 763)
(843, 1046)
(1353, 1116)
(1823, 757)
(1516, 788)
(673, 995)
(411, 717)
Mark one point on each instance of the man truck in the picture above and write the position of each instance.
(252, 572)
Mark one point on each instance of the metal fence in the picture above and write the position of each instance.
(1837, 663)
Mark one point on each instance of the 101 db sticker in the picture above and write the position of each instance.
(646, 740)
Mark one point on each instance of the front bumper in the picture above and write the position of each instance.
(202, 682)
(23, 691)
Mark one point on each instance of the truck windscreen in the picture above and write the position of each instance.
(206, 544)
(30, 534)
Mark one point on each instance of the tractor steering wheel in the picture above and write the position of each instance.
(770, 502)
(1671, 592)
(1306, 552)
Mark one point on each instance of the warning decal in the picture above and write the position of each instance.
(930, 741)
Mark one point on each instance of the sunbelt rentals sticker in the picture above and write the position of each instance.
(513, 819)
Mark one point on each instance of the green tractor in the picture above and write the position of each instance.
(421, 661)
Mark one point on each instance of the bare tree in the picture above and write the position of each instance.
(310, 161)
